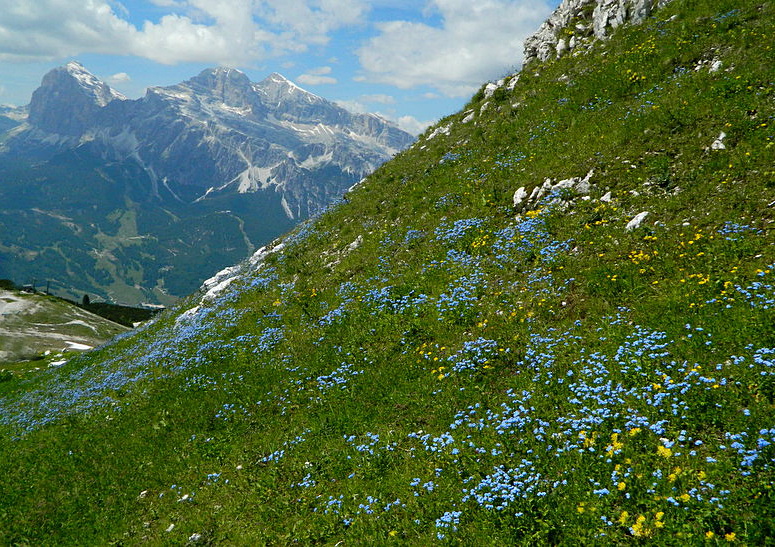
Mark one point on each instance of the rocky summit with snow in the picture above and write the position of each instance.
(266, 155)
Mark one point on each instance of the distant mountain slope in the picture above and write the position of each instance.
(548, 322)
(34, 324)
(142, 200)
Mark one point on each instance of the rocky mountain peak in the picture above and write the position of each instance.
(68, 98)
(276, 89)
(229, 85)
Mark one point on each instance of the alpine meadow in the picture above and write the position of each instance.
(551, 320)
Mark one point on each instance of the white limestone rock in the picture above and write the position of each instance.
(489, 90)
(512, 82)
(718, 144)
(549, 41)
(519, 199)
(636, 221)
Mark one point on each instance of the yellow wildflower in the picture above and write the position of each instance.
(623, 517)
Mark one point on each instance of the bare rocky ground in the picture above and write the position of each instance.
(34, 326)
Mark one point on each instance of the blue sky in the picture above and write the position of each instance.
(412, 61)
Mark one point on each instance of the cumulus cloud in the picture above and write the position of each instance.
(314, 79)
(232, 32)
(317, 76)
(312, 20)
(119, 78)
(475, 42)
(412, 125)
(320, 71)
(378, 98)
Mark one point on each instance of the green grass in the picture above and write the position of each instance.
(547, 378)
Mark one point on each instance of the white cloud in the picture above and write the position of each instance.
(168, 3)
(234, 32)
(312, 19)
(476, 41)
(314, 79)
(319, 71)
(412, 125)
(378, 98)
(119, 78)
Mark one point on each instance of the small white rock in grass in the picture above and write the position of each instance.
(195, 537)
(718, 144)
(513, 82)
(606, 197)
(355, 244)
(489, 90)
(636, 221)
(143, 494)
(170, 528)
(519, 197)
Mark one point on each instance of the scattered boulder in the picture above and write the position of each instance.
(512, 82)
(490, 89)
(718, 144)
(519, 199)
(580, 185)
(636, 221)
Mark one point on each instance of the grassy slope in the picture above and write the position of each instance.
(597, 383)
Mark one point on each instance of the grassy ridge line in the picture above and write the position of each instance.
(419, 365)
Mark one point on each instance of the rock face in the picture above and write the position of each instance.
(68, 100)
(579, 22)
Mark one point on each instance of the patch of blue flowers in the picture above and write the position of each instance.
(455, 232)
(458, 301)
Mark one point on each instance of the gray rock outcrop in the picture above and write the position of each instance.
(579, 22)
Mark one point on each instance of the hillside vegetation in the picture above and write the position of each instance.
(428, 363)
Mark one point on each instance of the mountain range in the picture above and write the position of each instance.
(140, 200)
